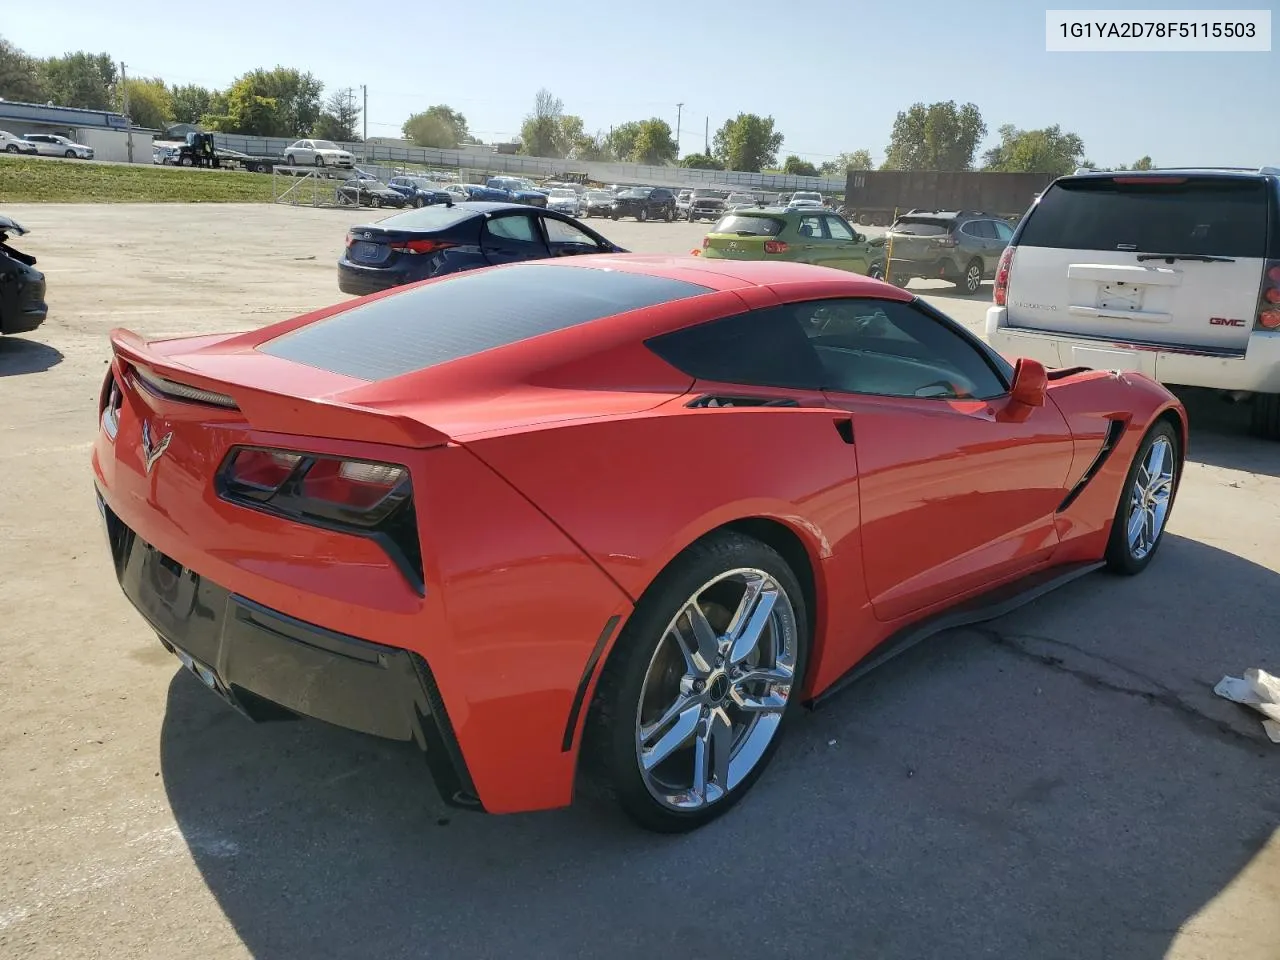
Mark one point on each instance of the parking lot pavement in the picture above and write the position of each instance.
(1059, 783)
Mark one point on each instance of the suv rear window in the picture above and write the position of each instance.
(748, 226)
(466, 314)
(1209, 216)
(915, 227)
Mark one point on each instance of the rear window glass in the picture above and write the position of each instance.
(1219, 217)
(922, 228)
(467, 314)
(749, 226)
(426, 218)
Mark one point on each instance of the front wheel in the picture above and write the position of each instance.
(704, 677)
(11, 148)
(417, 202)
(1145, 501)
(70, 154)
(876, 272)
(643, 215)
(319, 161)
(291, 160)
(375, 201)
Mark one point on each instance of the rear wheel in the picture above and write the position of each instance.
(319, 160)
(375, 201)
(1145, 501)
(876, 272)
(971, 281)
(186, 162)
(11, 148)
(643, 215)
(417, 201)
(1265, 416)
(705, 675)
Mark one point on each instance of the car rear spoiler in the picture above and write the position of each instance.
(264, 408)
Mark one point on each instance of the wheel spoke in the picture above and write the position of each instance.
(649, 731)
(677, 736)
(1137, 520)
(711, 753)
(721, 747)
(1155, 459)
(749, 633)
(706, 644)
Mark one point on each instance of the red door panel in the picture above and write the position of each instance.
(954, 500)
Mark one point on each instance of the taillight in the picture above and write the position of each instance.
(1003, 269)
(947, 241)
(360, 497)
(1269, 297)
(775, 246)
(420, 246)
(109, 405)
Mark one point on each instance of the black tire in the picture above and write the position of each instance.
(1264, 419)
(417, 202)
(70, 154)
(375, 201)
(319, 161)
(11, 148)
(614, 216)
(876, 272)
(1119, 556)
(291, 160)
(185, 162)
(971, 280)
(643, 215)
(609, 748)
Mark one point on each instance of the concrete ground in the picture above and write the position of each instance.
(1060, 783)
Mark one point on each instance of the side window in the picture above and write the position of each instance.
(837, 229)
(1004, 232)
(517, 227)
(759, 348)
(986, 229)
(811, 227)
(972, 229)
(892, 349)
(559, 232)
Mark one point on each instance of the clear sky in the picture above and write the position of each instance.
(833, 73)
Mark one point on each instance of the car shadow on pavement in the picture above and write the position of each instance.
(1220, 434)
(26, 356)
(1057, 783)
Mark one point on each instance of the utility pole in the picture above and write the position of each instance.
(679, 111)
(364, 118)
(128, 122)
(707, 135)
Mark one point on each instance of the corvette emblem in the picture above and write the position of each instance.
(151, 451)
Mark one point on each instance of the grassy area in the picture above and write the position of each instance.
(30, 179)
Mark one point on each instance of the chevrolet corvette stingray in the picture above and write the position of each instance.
(615, 516)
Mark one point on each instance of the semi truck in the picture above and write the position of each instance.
(872, 196)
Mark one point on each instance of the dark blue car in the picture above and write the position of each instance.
(436, 240)
(419, 191)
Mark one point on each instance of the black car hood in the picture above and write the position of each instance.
(8, 225)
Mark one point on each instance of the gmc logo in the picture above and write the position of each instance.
(1224, 322)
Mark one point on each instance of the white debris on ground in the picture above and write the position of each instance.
(1257, 689)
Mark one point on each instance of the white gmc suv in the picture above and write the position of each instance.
(1172, 273)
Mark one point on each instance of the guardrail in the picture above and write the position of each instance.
(486, 161)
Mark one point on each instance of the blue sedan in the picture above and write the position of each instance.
(436, 240)
(419, 191)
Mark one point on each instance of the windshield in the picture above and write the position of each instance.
(324, 144)
(638, 192)
(562, 194)
(816, 197)
(599, 195)
(748, 226)
(742, 198)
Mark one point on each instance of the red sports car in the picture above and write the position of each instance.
(621, 514)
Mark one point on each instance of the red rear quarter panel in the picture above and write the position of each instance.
(635, 492)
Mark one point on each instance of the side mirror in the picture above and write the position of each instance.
(1030, 381)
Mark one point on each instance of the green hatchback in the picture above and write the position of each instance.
(804, 235)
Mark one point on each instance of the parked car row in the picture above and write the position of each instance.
(45, 144)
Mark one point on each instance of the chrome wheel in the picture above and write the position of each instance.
(973, 277)
(1149, 498)
(716, 688)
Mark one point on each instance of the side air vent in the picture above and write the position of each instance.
(1115, 430)
(722, 400)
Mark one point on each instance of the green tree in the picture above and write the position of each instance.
(429, 130)
(542, 133)
(654, 144)
(939, 136)
(1048, 151)
(701, 161)
(150, 103)
(1144, 163)
(339, 117)
(747, 142)
(799, 168)
(191, 102)
(442, 117)
(856, 160)
(593, 148)
(79, 80)
(249, 112)
(19, 75)
(622, 140)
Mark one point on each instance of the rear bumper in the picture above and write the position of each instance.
(1256, 370)
(942, 268)
(24, 309)
(362, 281)
(261, 661)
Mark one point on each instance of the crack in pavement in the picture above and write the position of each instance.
(1160, 694)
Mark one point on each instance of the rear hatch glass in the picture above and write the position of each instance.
(916, 238)
(749, 226)
(1155, 259)
(1219, 217)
